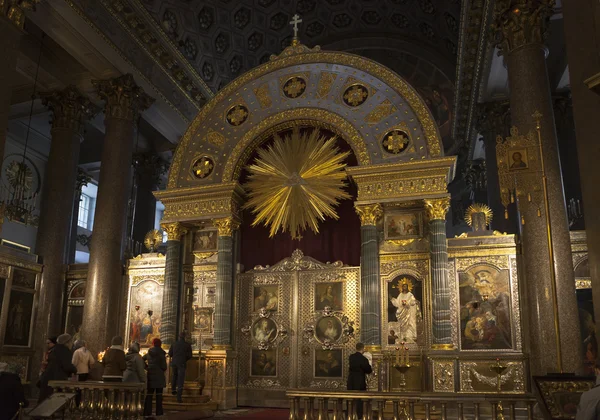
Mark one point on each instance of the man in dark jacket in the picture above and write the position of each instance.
(359, 367)
(157, 364)
(59, 366)
(180, 352)
(11, 393)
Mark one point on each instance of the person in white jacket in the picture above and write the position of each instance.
(82, 360)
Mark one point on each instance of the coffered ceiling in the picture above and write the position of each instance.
(221, 39)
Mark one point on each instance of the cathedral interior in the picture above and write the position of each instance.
(281, 180)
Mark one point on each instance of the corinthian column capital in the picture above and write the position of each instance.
(521, 22)
(174, 230)
(369, 213)
(226, 225)
(124, 98)
(15, 10)
(437, 208)
(70, 109)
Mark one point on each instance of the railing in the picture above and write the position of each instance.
(103, 400)
(341, 405)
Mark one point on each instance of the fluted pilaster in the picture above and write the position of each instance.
(440, 284)
(370, 290)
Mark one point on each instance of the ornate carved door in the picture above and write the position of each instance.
(297, 325)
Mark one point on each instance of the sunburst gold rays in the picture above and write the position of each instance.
(296, 182)
(478, 208)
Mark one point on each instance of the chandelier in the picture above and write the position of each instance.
(18, 195)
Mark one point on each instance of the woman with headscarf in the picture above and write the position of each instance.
(135, 371)
(157, 365)
(59, 366)
(114, 361)
(82, 360)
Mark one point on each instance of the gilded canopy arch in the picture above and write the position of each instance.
(358, 99)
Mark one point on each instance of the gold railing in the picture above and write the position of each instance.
(103, 400)
(341, 405)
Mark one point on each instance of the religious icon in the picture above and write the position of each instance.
(393, 339)
(205, 241)
(264, 362)
(328, 363)
(484, 295)
(329, 295)
(78, 292)
(266, 296)
(328, 328)
(145, 312)
(402, 225)
(19, 319)
(404, 309)
(203, 319)
(211, 292)
(264, 330)
(23, 278)
(517, 159)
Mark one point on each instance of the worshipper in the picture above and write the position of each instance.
(82, 360)
(59, 366)
(12, 394)
(50, 343)
(136, 368)
(589, 404)
(180, 352)
(114, 361)
(357, 378)
(157, 365)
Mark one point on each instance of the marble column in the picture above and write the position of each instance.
(440, 284)
(370, 288)
(582, 36)
(170, 302)
(148, 170)
(554, 340)
(223, 298)
(124, 102)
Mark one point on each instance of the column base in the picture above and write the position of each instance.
(221, 377)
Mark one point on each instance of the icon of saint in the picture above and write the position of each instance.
(518, 163)
(407, 312)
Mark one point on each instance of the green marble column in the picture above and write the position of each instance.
(224, 292)
(370, 289)
(170, 302)
(440, 284)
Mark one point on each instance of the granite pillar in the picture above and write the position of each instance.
(148, 170)
(440, 285)
(582, 36)
(170, 302)
(554, 340)
(69, 112)
(223, 298)
(124, 101)
(370, 288)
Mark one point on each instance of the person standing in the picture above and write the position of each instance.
(50, 343)
(114, 361)
(82, 360)
(180, 352)
(12, 394)
(135, 371)
(357, 378)
(589, 403)
(157, 365)
(59, 366)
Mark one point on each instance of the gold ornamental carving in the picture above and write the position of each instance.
(153, 239)
(380, 112)
(226, 225)
(437, 208)
(263, 96)
(521, 22)
(325, 83)
(124, 98)
(173, 230)
(443, 375)
(301, 55)
(296, 182)
(70, 109)
(478, 208)
(369, 213)
(215, 138)
(15, 10)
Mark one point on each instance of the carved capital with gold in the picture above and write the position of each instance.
(173, 230)
(70, 109)
(124, 98)
(15, 10)
(226, 225)
(437, 208)
(521, 22)
(369, 213)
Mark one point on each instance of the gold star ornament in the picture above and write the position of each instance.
(296, 182)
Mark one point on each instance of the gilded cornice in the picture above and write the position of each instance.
(369, 213)
(201, 203)
(70, 109)
(124, 98)
(521, 22)
(413, 100)
(473, 48)
(173, 230)
(437, 208)
(403, 181)
(15, 10)
(226, 225)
